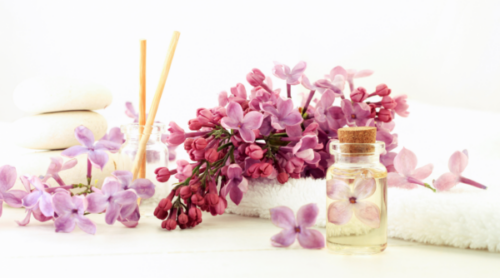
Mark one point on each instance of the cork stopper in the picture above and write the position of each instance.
(358, 138)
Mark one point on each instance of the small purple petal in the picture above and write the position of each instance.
(337, 189)
(446, 181)
(368, 213)
(144, 188)
(62, 203)
(112, 213)
(284, 238)
(107, 146)
(97, 202)
(405, 162)
(339, 212)
(247, 135)
(311, 239)
(85, 224)
(8, 175)
(234, 111)
(45, 204)
(422, 172)
(26, 219)
(458, 162)
(84, 136)
(283, 217)
(74, 151)
(98, 158)
(126, 197)
(364, 188)
(125, 177)
(14, 198)
(306, 216)
(65, 223)
(253, 120)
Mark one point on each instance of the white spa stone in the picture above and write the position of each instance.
(56, 130)
(52, 94)
(37, 162)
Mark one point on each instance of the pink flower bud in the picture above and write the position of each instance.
(223, 170)
(194, 213)
(165, 204)
(282, 177)
(188, 144)
(254, 152)
(162, 174)
(254, 171)
(211, 155)
(185, 192)
(199, 143)
(194, 124)
(388, 102)
(359, 95)
(197, 199)
(182, 219)
(170, 224)
(266, 169)
(196, 155)
(212, 199)
(205, 117)
(160, 213)
(385, 115)
(255, 77)
(373, 110)
(194, 186)
(382, 90)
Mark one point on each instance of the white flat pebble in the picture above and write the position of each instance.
(53, 131)
(52, 94)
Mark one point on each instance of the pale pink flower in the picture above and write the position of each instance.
(407, 174)
(292, 77)
(457, 163)
(245, 124)
(401, 106)
(349, 202)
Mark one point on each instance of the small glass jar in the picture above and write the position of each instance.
(356, 199)
(156, 155)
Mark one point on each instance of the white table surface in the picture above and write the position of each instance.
(223, 246)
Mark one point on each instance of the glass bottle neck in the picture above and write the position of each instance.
(357, 158)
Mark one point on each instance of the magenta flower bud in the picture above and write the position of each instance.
(194, 124)
(194, 185)
(212, 199)
(266, 169)
(182, 219)
(254, 152)
(170, 224)
(211, 155)
(254, 171)
(255, 77)
(373, 110)
(199, 143)
(196, 155)
(205, 117)
(165, 204)
(160, 213)
(162, 174)
(382, 90)
(282, 177)
(188, 144)
(197, 199)
(388, 103)
(385, 115)
(223, 170)
(185, 192)
(359, 95)
(194, 213)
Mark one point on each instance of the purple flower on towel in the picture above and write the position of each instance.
(284, 217)
(457, 163)
(70, 212)
(407, 174)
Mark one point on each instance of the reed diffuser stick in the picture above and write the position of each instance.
(142, 102)
(154, 105)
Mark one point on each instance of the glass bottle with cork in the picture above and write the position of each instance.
(356, 193)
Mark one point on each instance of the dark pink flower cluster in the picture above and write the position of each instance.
(261, 134)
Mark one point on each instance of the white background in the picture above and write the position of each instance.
(438, 52)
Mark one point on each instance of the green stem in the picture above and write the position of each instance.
(224, 146)
(430, 187)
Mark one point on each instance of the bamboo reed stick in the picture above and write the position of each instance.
(154, 105)
(142, 102)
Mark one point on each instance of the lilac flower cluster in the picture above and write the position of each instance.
(260, 134)
(68, 208)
